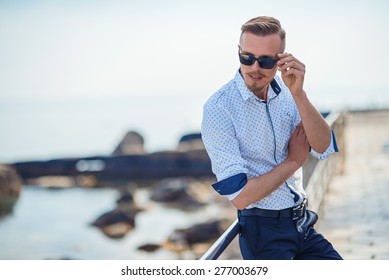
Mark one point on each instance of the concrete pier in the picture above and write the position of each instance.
(354, 215)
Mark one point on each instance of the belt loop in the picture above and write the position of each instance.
(240, 222)
(279, 217)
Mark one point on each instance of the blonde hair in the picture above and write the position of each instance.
(263, 26)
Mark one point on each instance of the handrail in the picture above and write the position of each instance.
(336, 121)
(222, 243)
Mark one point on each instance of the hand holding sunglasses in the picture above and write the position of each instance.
(292, 72)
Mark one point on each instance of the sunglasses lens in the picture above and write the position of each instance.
(267, 63)
(246, 59)
(264, 62)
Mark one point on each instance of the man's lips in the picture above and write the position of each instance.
(255, 77)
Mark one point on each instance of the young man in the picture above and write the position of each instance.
(258, 130)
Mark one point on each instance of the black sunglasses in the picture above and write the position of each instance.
(264, 62)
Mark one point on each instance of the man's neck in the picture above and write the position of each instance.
(262, 93)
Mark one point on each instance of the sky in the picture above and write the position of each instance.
(80, 51)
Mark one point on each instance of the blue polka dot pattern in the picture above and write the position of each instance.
(243, 134)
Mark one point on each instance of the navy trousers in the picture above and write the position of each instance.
(283, 238)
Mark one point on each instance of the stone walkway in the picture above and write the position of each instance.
(354, 215)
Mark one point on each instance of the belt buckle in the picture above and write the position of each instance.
(299, 210)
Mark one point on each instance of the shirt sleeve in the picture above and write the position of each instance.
(218, 135)
(332, 148)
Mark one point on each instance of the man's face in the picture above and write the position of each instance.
(257, 79)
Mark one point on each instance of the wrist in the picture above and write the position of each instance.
(292, 165)
(299, 93)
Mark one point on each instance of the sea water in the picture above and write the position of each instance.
(51, 223)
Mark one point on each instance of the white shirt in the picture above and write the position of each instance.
(243, 134)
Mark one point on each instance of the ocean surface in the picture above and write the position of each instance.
(55, 224)
(44, 129)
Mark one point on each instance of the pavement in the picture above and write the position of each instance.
(354, 215)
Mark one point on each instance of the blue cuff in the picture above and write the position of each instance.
(334, 142)
(231, 185)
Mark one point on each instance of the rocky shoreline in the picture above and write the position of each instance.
(10, 188)
(128, 162)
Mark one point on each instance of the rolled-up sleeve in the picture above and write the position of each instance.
(332, 148)
(218, 135)
(231, 186)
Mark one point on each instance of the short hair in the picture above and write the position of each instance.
(263, 26)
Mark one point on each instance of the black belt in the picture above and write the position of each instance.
(294, 212)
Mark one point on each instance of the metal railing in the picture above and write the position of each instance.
(222, 243)
(317, 176)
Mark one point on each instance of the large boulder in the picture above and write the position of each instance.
(187, 238)
(176, 193)
(116, 223)
(132, 143)
(10, 188)
(190, 142)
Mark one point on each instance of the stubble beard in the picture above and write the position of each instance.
(258, 90)
(257, 87)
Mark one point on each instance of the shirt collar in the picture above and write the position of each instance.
(246, 94)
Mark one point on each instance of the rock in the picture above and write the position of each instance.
(149, 247)
(175, 193)
(126, 201)
(198, 233)
(10, 188)
(116, 223)
(184, 239)
(190, 142)
(126, 198)
(132, 143)
(154, 166)
(53, 182)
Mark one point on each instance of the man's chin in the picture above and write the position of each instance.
(257, 89)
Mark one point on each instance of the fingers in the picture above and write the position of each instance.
(299, 132)
(298, 147)
(288, 58)
(292, 73)
(288, 64)
(299, 127)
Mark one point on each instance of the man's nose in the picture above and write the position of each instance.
(255, 65)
